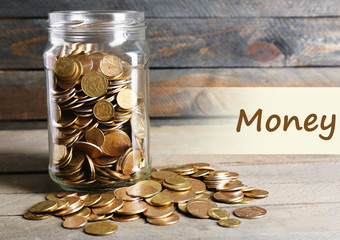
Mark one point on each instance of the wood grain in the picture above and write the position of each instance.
(26, 151)
(197, 42)
(178, 8)
(174, 92)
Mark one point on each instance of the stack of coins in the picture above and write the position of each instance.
(97, 122)
(156, 200)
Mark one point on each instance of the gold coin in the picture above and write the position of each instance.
(44, 206)
(94, 217)
(125, 218)
(250, 212)
(155, 184)
(199, 208)
(112, 207)
(121, 193)
(131, 162)
(131, 208)
(205, 195)
(200, 173)
(52, 196)
(92, 199)
(116, 143)
(94, 84)
(182, 206)
(141, 190)
(230, 222)
(74, 222)
(126, 99)
(172, 219)
(159, 212)
(183, 187)
(138, 125)
(101, 228)
(95, 136)
(36, 216)
(256, 193)
(65, 67)
(162, 175)
(106, 199)
(196, 185)
(218, 213)
(103, 110)
(62, 204)
(84, 212)
(161, 199)
(175, 180)
(180, 196)
(229, 197)
(230, 187)
(66, 194)
(59, 153)
(89, 149)
(111, 66)
(233, 175)
(86, 63)
(246, 200)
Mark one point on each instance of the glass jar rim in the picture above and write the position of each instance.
(96, 20)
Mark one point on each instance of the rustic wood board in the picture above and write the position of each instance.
(174, 92)
(201, 42)
(177, 8)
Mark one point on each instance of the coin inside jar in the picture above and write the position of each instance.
(116, 143)
(126, 99)
(111, 66)
(95, 136)
(103, 110)
(94, 84)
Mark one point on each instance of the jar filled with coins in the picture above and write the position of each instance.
(97, 91)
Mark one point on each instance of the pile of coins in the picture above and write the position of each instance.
(156, 199)
(97, 122)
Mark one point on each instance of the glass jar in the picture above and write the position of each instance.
(97, 92)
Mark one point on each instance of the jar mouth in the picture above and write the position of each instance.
(97, 20)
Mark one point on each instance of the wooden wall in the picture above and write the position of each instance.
(198, 48)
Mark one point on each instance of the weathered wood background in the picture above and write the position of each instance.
(198, 48)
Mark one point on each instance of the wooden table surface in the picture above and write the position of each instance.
(304, 200)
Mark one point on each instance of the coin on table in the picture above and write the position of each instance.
(196, 185)
(92, 199)
(62, 204)
(126, 99)
(85, 212)
(110, 208)
(125, 218)
(161, 199)
(111, 66)
(200, 173)
(106, 199)
(94, 84)
(218, 213)
(162, 175)
(133, 207)
(250, 212)
(141, 190)
(65, 67)
(180, 196)
(159, 212)
(44, 206)
(155, 184)
(182, 187)
(229, 222)
(36, 216)
(182, 206)
(246, 200)
(101, 228)
(94, 217)
(103, 110)
(74, 222)
(52, 196)
(172, 219)
(175, 180)
(200, 207)
(256, 193)
(121, 193)
(95, 136)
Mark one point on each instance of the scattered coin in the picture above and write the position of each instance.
(172, 219)
(250, 212)
(74, 222)
(256, 193)
(44, 206)
(36, 216)
(101, 228)
(218, 213)
(229, 222)
(200, 208)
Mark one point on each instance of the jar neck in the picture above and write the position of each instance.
(96, 26)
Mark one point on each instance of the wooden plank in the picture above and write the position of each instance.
(174, 92)
(197, 42)
(178, 8)
(27, 150)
